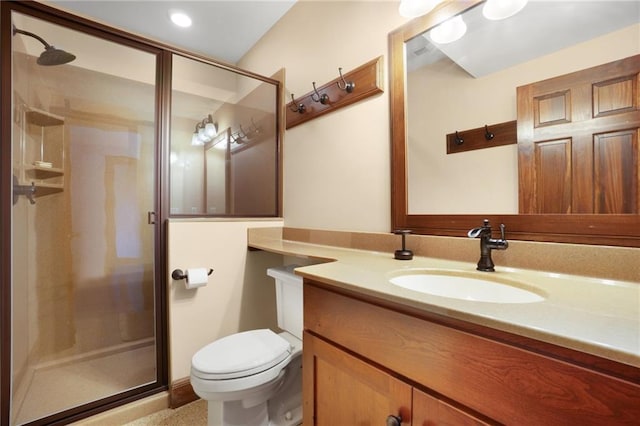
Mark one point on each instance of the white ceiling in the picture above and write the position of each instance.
(222, 29)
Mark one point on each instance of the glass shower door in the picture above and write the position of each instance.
(83, 274)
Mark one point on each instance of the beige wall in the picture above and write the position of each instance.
(337, 167)
(239, 295)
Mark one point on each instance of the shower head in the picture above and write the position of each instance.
(51, 55)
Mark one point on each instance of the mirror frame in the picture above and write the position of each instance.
(610, 229)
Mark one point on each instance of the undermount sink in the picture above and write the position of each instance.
(463, 287)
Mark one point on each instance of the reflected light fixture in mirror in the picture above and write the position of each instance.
(205, 131)
(195, 138)
(449, 31)
(502, 9)
(415, 8)
(210, 129)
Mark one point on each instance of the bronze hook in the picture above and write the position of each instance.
(487, 134)
(300, 108)
(322, 98)
(347, 86)
(458, 139)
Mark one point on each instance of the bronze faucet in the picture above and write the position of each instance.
(487, 244)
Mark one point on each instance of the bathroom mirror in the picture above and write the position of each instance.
(478, 184)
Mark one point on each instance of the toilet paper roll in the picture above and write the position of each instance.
(196, 277)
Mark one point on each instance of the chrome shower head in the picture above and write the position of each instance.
(51, 55)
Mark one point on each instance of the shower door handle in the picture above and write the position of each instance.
(151, 218)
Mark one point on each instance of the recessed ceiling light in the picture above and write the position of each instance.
(180, 18)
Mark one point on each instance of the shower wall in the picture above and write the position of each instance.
(43, 294)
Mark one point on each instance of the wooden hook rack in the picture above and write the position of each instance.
(468, 140)
(367, 80)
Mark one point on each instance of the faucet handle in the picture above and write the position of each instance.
(502, 231)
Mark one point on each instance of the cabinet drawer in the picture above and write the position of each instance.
(508, 384)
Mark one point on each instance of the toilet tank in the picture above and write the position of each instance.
(288, 298)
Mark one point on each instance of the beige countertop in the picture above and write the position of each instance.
(596, 316)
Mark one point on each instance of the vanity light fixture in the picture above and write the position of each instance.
(502, 9)
(180, 18)
(415, 8)
(195, 138)
(205, 131)
(449, 31)
(210, 128)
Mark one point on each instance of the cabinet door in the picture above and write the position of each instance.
(578, 141)
(340, 389)
(430, 411)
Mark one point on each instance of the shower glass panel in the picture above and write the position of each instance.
(83, 144)
(224, 142)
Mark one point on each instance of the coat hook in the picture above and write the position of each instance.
(237, 138)
(458, 139)
(487, 134)
(299, 108)
(254, 127)
(244, 133)
(347, 86)
(317, 97)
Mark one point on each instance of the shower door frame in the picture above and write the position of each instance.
(161, 203)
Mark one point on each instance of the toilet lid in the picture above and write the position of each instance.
(240, 355)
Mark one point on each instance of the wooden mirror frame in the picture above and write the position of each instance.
(610, 229)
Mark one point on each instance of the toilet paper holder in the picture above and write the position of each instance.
(178, 274)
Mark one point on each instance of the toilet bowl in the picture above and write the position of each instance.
(256, 375)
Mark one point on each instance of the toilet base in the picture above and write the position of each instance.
(235, 414)
(282, 409)
(256, 416)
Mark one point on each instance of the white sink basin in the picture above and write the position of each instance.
(463, 287)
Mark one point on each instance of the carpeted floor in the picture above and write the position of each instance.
(193, 414)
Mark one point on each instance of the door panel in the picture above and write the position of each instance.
(597, 111)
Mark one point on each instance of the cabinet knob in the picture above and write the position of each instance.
(394, 420)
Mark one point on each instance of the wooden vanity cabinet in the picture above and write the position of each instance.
(349, 391)
(366, 359)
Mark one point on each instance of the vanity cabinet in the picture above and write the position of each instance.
(350, 391)
(367, 358)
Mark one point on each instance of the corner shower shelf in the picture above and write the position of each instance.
(36, 172)
(43, 119)
(42, 144)
(47, 189)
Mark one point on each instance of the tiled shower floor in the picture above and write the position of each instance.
(55, 388)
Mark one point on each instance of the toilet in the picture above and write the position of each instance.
(256, 375)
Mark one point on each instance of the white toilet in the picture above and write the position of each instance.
(257, 374)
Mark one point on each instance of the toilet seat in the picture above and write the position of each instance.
(240, 355)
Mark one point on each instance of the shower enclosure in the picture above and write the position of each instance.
(104, 136)
(83, 238)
